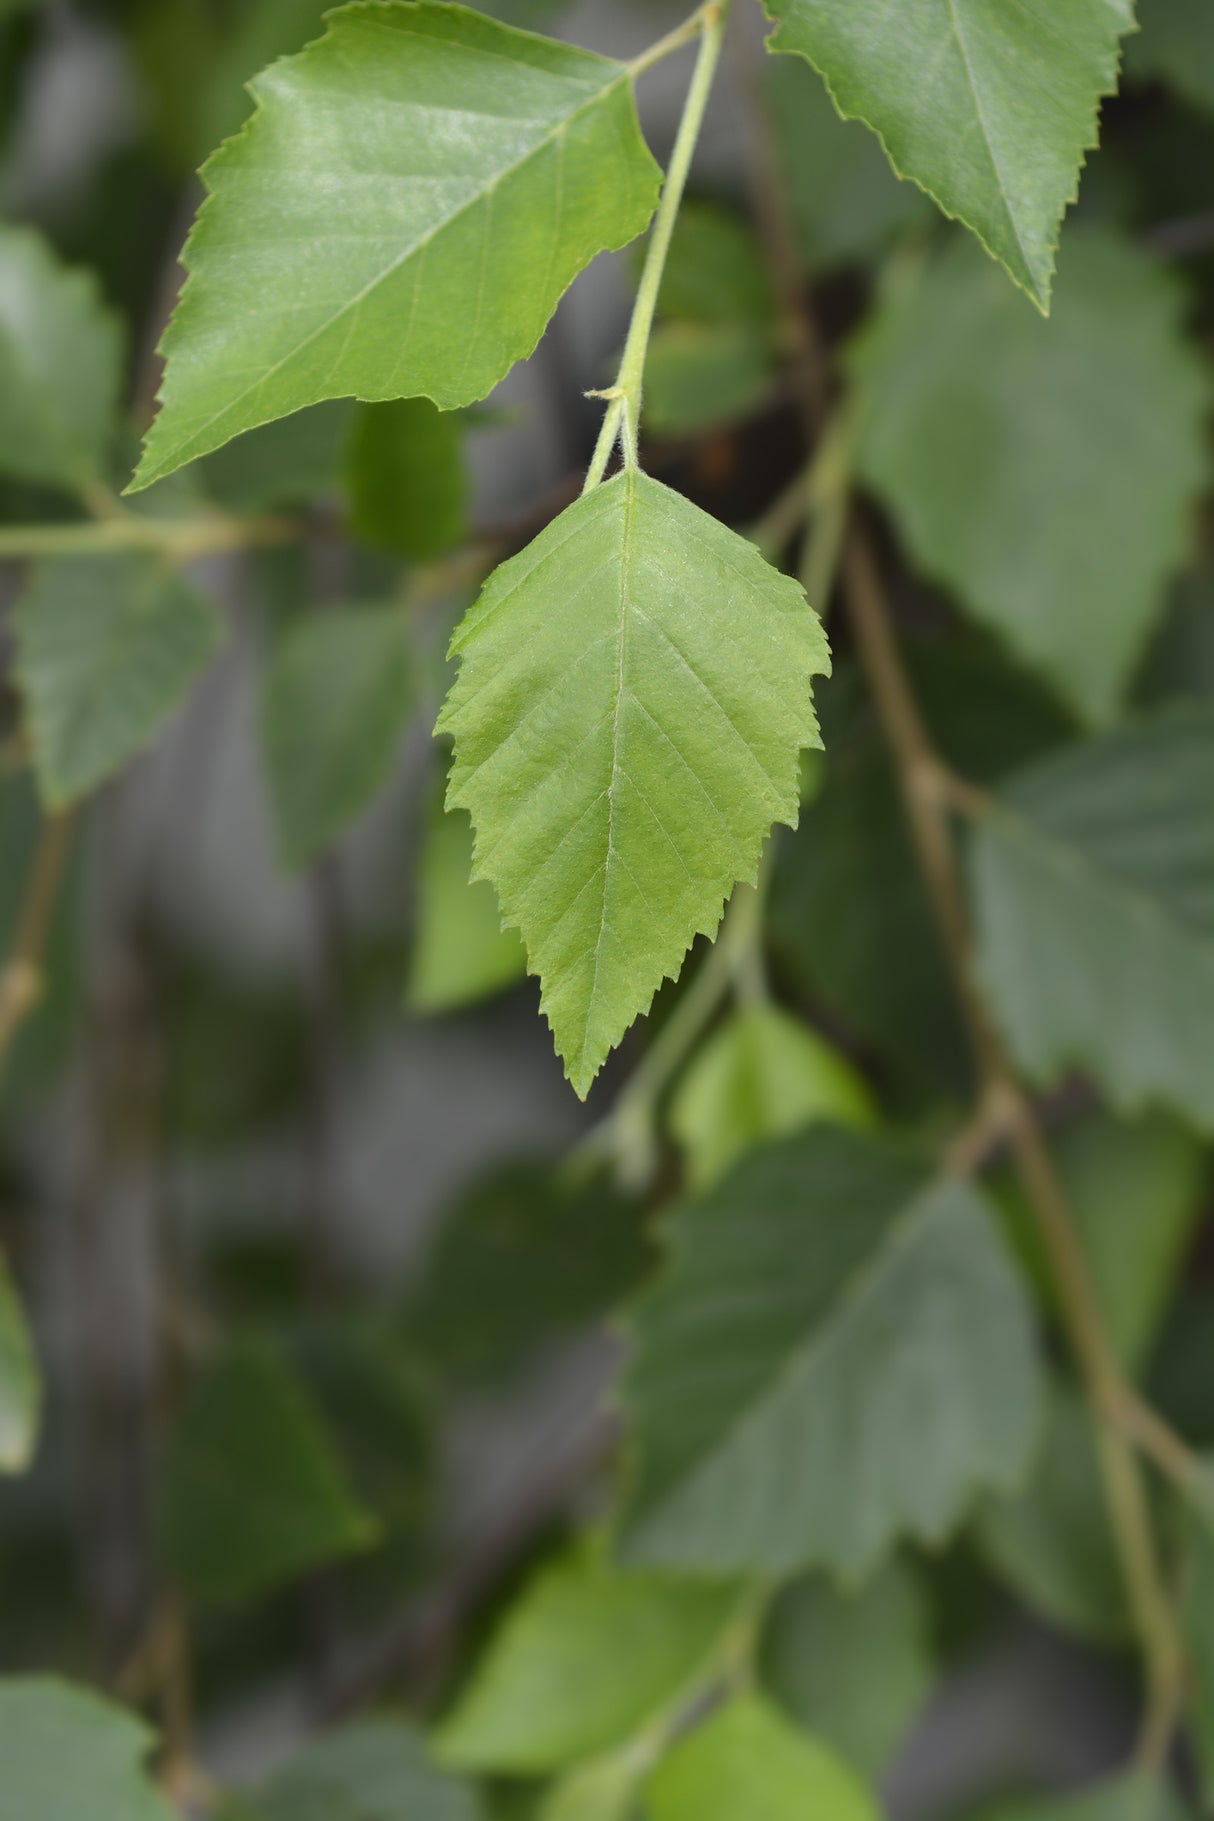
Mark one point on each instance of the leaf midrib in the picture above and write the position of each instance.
(987, 141)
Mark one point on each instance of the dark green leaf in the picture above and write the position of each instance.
(373, 1770)
(407, 480)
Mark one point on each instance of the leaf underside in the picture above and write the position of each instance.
(399, 217)
(633, 696)
(988, 105)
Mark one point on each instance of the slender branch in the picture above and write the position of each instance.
(673, 41)
(21, 978)
(180, 540)
(624, 398)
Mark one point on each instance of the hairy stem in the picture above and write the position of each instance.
(624, 398)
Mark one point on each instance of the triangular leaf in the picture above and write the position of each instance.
(586, 1658)
(105, 652)
(747, 1760)
(1043, 471)
(254, 1492)
(60, 364)
(66, 1753)
(400, 216)
(632, 700)
(1094, 891)
(337, 695)
(839, 1353)
(988, 106)
(20, 1380)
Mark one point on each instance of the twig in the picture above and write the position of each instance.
(21, 979)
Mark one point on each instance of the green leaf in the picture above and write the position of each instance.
(461, 954)
(60, 366)
(1093, 884)
(417, 243)
(698, 375)
(1175, 41)
(337, 694)
(633, 697)
(20, 1380)
(1053, 504)
(1052, 1542)
(1134, 1188)
(372, 1770)
(588, 1656)
(760, 1075)
(855, 1669)
(568, 1245)
(747, 1760)
(66, 1752)
(839, 1354)
(105, 652)
(988, 107)
(1198, 1621)
(407, 480)
(1134, 1798)
(605, 1791)
(253, 1493)
(846, 202)
(286, 463)
(715, 272)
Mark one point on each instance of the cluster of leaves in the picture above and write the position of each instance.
(845, 1359)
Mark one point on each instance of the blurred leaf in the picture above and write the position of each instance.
(605, 1791)
(715, 272)
(623, 763)
(760, 1075)
(337, 695)
(1094, 891)
(747, 1760)
(67, 1753)
(279, 295)
(854, 1669)
(60, 366)
(235, 1052)
(106, 650)
(253, 1492)
(1180, 661)
(846, 201)
(20, 1380)
(371, 1770)
(1135, 1798)
(1198, 1622)
(1134, 1188)
(1043, 471)
(461, 954)
(698, 375)
(958, 98)
(285, 463)
(1175, 41)
(1181, 1381)
(1052, 1543)
(839, 1353)
(530, 1253)
(407, 478)
(587, 1657)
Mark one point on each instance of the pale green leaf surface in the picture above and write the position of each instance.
(760, 1075)
(838, 1354)
(372, 1770)
(1134, 1188)
(254, 1492)
(337, 695)
(399, 217)
(1052, 1543)
(60, 366)
(603, 1791)
(1175, 41)
(988, 105)
(588, 1656)
(407, 480)
(1094, 892)
(846, 202)
(67, 1754)
(633, 697)
(855, 1669)
(461, 954)
(20, 1380)
(748, 1761)
(1045, 472)
(105, 652)
(1129, 1799)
